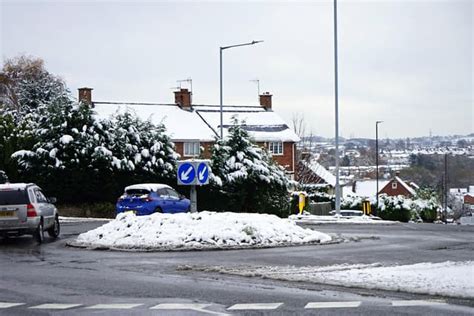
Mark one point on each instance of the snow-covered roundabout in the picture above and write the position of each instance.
(197, 231)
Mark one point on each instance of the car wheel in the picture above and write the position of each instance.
(158, 210)
(54, 231)
(39, 233)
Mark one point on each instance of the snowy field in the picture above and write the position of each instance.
(203, 230)
(333, 219)
(451, 279)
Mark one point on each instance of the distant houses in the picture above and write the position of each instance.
(464, 196)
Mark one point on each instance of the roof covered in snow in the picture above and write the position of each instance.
(147, 186)
(180, 124)
(320, 171)
(14, 186)
(364, 188)
(263, 125)
(203, 121)
(406, 186)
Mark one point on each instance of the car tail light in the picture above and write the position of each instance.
(30, 211)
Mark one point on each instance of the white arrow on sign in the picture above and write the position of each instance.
(185, 174)
(201, 174)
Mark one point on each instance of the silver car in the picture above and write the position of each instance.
(25, 210)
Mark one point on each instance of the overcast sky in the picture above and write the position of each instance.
(408, 63)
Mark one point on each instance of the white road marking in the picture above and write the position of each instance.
(8, 305)
(186, 306)
(418, 303)
(113, 306)
(255, 306)
(55, 306)
(180, 306)
(332, 304)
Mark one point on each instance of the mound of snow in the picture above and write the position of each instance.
(203, 230)
(452, 279)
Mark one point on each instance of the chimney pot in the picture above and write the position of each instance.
(266, 101)
(85, 95)
(183, 98)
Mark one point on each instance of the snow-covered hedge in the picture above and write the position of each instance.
(245, 177)
(398, 208)
(204, 230)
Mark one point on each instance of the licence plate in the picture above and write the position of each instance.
(7, 214)
(131, 211)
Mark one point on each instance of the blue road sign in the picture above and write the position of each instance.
(186, 173)
(203, 173)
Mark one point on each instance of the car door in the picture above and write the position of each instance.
(173, 200)
(165, 202)
(45, 208)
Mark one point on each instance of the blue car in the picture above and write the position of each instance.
(149, 198)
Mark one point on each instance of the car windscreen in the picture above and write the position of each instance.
(13, 197)
(137, 192)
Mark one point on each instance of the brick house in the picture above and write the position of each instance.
(468, 203)
(396, 186)
(194, 128)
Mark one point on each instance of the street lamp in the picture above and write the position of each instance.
(220, 59)
(338, 189)
(377, 158)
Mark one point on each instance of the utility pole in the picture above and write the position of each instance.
(377, 160)
(338, 188)
(446, 188)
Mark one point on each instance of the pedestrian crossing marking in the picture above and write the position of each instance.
(113, 306)
(418, 303)
(55, 306)
(8, 305)
(255, 306)
(168, 306)
(312, 305)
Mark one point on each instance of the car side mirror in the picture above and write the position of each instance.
(181, 197)
(52, 200)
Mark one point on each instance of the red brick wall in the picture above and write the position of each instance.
(468, 199)
(286, 160)
(179, 148)
(400, 190)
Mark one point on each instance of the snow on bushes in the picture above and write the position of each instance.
(245, 178)
(204, 230)
(398, 208)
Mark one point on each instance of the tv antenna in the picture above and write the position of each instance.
(189, 80)
(258, 86)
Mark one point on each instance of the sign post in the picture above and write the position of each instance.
(193, 172)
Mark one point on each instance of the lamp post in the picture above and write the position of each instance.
(338, 189)
(377, 159)
(220, 61)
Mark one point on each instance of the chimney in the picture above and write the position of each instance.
(266, 101)
(183, 98)
(85, 95)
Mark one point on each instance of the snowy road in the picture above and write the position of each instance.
(40, 279)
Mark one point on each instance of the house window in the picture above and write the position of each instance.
(276, 148)
(394, 185)
(191, 149)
